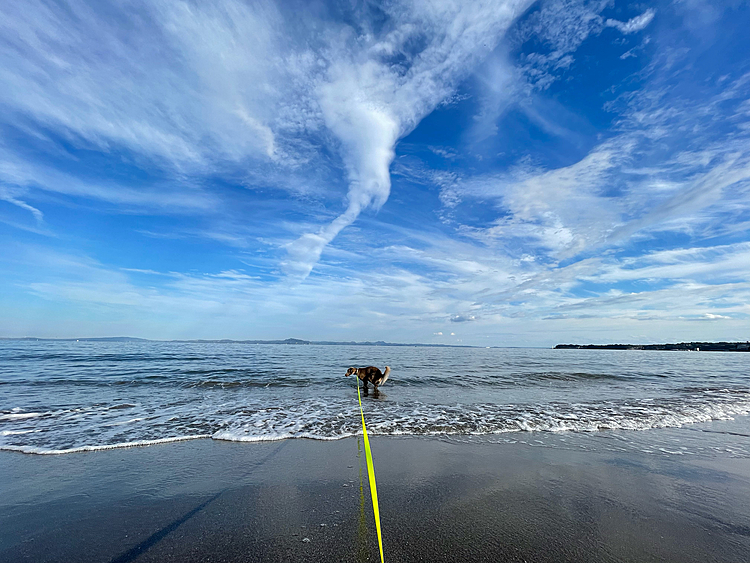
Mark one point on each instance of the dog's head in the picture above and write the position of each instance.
(351, 371)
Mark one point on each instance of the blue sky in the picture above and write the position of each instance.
(507, 173)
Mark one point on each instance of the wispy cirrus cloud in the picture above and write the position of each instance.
(163, 95)
(384, 89)
(633, 25)
(21, 176)
(627, 185)
(545, 45)
(710, 265)
(146, 80)
(561, 26)
(11, 196)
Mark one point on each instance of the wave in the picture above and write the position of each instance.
(88, 358)
(587, 376)
(20, 415)
(79, 449)
(181, 379)
(481, 420)
(240, 378)
(105, 428)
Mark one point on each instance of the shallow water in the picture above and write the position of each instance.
(58, 397)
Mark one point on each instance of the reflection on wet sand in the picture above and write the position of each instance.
(362, 550)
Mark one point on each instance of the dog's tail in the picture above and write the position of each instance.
(386, 373)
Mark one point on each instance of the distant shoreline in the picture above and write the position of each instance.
(683, 346)
(288, 341)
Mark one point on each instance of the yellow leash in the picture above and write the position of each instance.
(371, 476)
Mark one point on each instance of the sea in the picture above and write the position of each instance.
(63, 397)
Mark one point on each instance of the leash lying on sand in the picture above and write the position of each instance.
(371, 476)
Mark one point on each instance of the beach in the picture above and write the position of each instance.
(566, 498)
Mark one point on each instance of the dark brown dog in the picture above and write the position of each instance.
(370, 374)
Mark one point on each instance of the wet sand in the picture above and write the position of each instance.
(440, 500)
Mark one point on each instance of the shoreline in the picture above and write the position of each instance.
(440, 499)
(679, 347)
(739, 420)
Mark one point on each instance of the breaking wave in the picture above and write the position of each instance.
(103, 428)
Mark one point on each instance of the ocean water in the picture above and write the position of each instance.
(64, 397)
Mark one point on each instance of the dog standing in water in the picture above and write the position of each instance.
(370, 374)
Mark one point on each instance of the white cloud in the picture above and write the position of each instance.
(565, 24)
(369, 102)
(447, 153)
(500, 85)
(167, 80)
(6, 194)
(633, 25)
(714, 317)
(389, 303)
(626, 186)
(706, 264)
(205, 88)
(22, 176)
(564, 211)
(562, 26)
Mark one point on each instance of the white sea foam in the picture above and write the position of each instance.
(123, 422)
(79, 449)
(20, 415)
(334, 421)
(485, 419)
(229, 436)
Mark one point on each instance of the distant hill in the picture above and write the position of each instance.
(289, 341)
(685, 346)
(98, 339)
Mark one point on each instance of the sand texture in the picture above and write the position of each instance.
(300, 500)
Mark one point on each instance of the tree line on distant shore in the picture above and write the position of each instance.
(686, 346)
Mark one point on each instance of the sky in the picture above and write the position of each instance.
(490, 173)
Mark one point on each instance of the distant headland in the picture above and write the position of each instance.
(685, 346)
